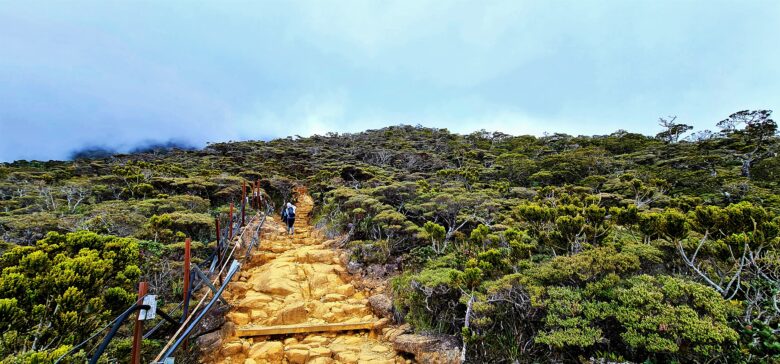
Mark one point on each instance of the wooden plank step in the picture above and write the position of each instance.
(303, 328)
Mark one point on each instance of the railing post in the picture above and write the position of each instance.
(243, 201)
(187, 256)
(186, 285)
(259, 197)
(243, 213)
(138, 327)
(230, 226)
(219, 248)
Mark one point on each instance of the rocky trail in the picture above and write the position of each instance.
(299, 280)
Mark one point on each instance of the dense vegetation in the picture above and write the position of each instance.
(615, 247)
(78, 236)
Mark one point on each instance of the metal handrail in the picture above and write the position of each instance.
(179, 338)
(256, 235)
(75, 348)
(235, 265)
(120, 320)
(117, 321)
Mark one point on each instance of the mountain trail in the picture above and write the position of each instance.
(300, 282)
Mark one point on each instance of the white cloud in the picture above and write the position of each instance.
(309, 114)
(84, 71)
(449, 43)
(334, 111)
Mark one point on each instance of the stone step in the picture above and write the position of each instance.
(303, 328)
(316, 300)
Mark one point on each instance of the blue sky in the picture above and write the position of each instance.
(118, 73)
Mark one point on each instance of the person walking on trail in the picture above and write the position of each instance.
(288, 216)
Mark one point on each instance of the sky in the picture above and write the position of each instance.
(116, 74)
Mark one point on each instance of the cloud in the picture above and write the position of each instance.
(335, 111)
(116, 74)
(308, 115)
(450, 43)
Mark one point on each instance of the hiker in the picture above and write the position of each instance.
(288, 216)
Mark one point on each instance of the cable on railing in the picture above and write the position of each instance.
(229, 231)
(186, 322)
(256, 235)
(159, 324)
(75, 348)
(121, 319)
(233, 269)
(193, 288)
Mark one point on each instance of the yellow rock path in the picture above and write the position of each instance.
(298, 280)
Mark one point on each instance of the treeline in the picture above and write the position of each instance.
(621, 247)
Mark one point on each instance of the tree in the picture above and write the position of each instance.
(672, 131)
(454, 207)
(728, 249)
(515, 167)
(436, 234)
(75, 194)
(755, 141)
(130, 175)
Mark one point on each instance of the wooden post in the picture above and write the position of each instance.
(230, 226)
(138, 327)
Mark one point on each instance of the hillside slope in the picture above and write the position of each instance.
(615, 247)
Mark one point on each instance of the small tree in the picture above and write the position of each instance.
(672, 131)
(755, 141)
(436, 234)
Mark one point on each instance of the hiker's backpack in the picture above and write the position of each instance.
(290, 212)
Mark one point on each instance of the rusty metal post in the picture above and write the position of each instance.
(259, 198)
(219, 250)
(186, 285)
(243, 213)
(243, 202)
(230, 226)
(255, 193)
(138, 327)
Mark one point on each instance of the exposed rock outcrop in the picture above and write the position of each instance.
(429, 349)
(381, 305)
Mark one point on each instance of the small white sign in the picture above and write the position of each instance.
(151, 313)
